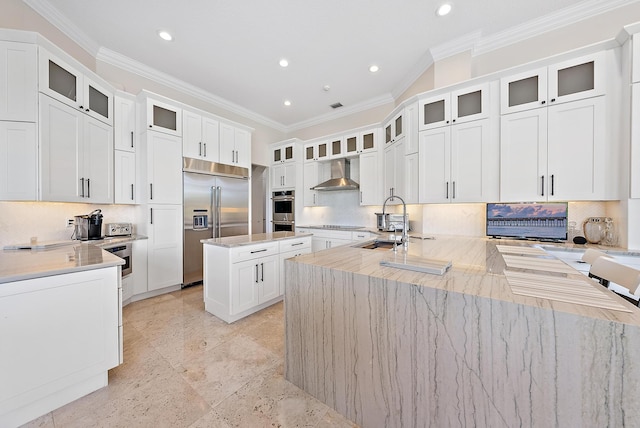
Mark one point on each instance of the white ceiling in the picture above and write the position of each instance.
(229, 50)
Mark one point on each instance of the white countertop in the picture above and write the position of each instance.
(18, 265)
(236, 241)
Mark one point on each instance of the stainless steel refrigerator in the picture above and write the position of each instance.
(216, 204)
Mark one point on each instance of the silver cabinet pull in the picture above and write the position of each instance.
(256, 273)
(233, 155)
(131, 139)
(82, 187)
(205, 149)
(88, 188)
(258, 251)
(132, 198)
(151, 215)
(447, 191)
(200, 149)
(454, 190)
(150, 190)
(297, 243)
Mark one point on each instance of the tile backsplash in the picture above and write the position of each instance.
(19, 221)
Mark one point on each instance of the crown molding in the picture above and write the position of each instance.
(558, 19)
(45, 9)
(121, 61)
(414, 73)
(456, 46)
(343, 111)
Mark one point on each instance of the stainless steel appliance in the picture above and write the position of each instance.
(124, 252)
(89, 226)
(117, 229)
(216, 204)
(390, 222)
(284, 210)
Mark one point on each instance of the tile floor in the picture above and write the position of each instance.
(183, 367)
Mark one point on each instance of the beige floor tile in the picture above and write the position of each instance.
(183, 367)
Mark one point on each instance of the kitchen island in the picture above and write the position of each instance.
(60, 327)
(390, 347)
(243, 274)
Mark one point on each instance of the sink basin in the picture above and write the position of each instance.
(383, 245)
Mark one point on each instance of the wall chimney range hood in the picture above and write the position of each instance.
(340, 177)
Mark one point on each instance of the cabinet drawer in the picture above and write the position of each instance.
(295, 244)
(248, 252)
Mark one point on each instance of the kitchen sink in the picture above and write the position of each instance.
(377, 244)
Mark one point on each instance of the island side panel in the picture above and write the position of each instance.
(385, 353)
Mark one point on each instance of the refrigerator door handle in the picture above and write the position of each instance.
(215, 209)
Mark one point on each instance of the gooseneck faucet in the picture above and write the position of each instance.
(405, 237)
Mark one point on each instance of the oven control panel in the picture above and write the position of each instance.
(117, 229)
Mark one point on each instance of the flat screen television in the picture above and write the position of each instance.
(535, 221)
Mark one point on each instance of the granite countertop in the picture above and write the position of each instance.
(258, 238)
(113, 240)
(477, 269)
(18, 265)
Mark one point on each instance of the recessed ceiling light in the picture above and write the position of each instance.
(287, 103)
(326, 88)
(284, 63)
(443, 9)
(374, 68)
(164, 35)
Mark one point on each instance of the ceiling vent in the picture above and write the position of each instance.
(336, 105)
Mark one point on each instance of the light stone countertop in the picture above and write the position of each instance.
(18, 265)
(258, 238)
(477, 270)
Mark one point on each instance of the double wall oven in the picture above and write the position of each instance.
(284, 211)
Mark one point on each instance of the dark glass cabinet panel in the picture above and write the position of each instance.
(62, 81)
(165, 118)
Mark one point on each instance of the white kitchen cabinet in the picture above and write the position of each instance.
(316, 151)
(337, 147)
(235, 146)
(459, 163)
(200, 136)
(18, 161)
(459, 106)
(18, 82)
(394, 174)
(241, 280)
(283, 153)
(570, 80)
(283, 176)
(393, 128)
(124, 177)
(76, 155)
(557, 153)
(634, 191)
(139, 274)
(66, 82)
(164, 168)
(311, 177)
(164, 231)
(325, 239)
(369, 141)
(161, 116)
(60, 336)
(124, 122)
(411, 178)
(370, 179)
(291, 248)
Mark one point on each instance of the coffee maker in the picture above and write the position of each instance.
(89, 226)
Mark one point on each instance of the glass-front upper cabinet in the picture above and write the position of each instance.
(352, 144)
(66, 83)
(569, 80)
(283, 153)
(394, 128)
(462, 105)
(316, 151)
(337, 147)
(163, 117)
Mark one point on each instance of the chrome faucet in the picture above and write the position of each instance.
(405, 237)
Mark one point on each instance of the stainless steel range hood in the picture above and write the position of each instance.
(340, 177)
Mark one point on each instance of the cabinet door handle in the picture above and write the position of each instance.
(88, 188)
(205, 149)
(314, 199)
(553, 100)
(454, 190)
(543, 102)
(132, 198)
(150, 190)
(258, 251)
(262, 272)
(297, 243)
(151, 215)
(199, 149)
(360, 196)
(131, 139)
(552, 185)
(82, 187)
(447, 190)
(542, 180)
(233, 156)
(256, 273)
